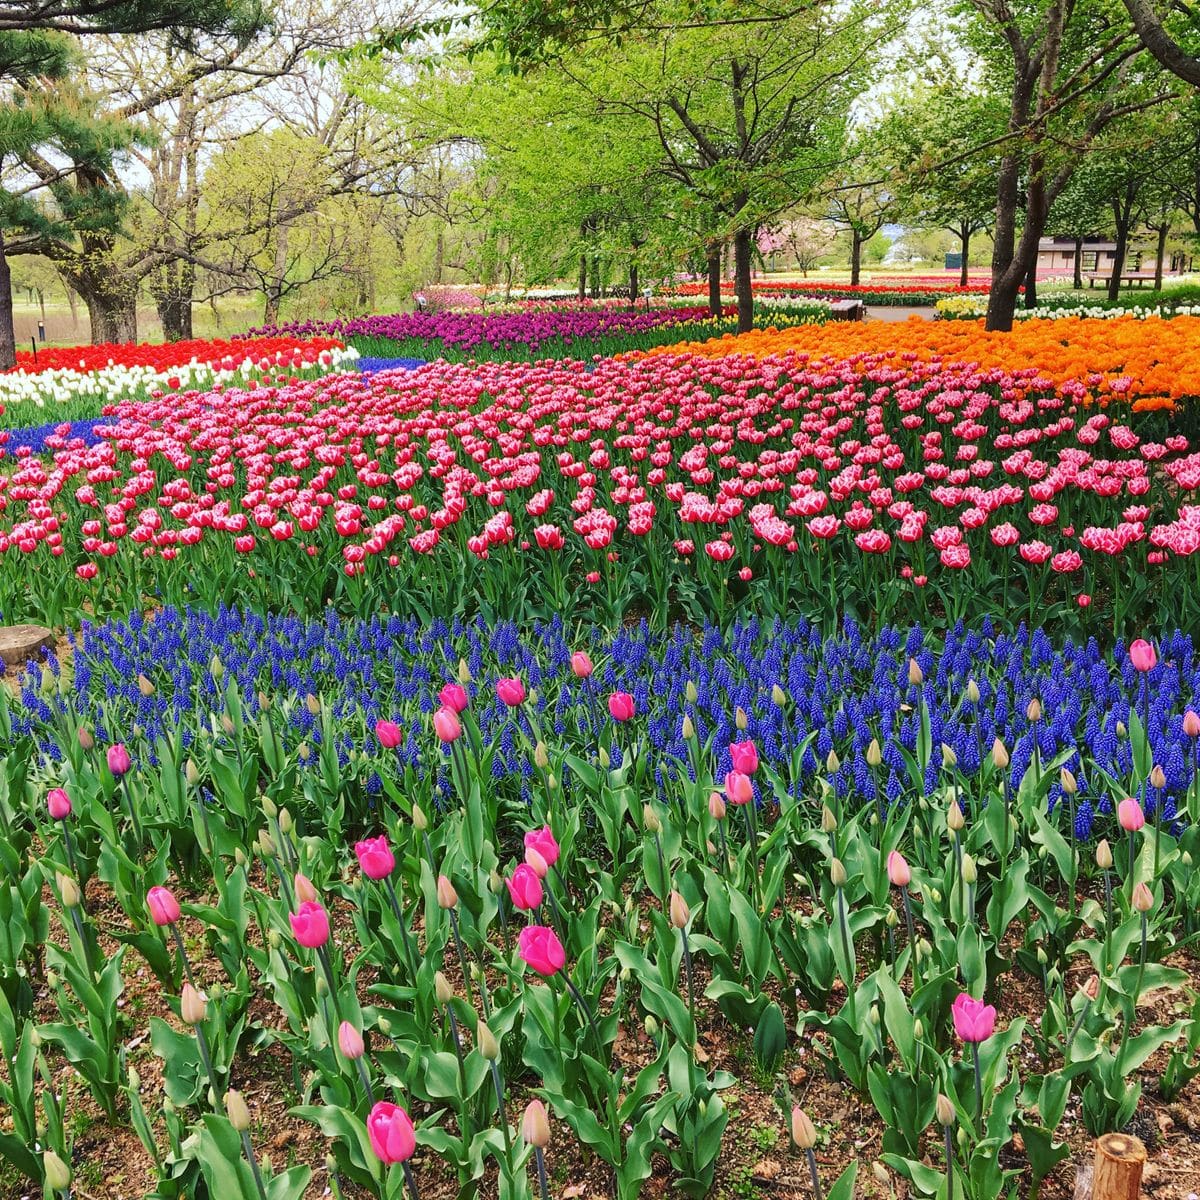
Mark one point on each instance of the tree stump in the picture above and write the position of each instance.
(1117, 1171)
(20, 643)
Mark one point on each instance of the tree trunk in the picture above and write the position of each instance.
(1159, 254)
(439, 256)
(583, 277)
(964, 236)
(1031, 285)
(742, 286)
(714, 280)
(856, 245)
(595, 277)
(1077, 282)
(1121, 216)
(633, 284)
(8, 334)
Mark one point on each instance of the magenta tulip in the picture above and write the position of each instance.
(525, 888)
(310, 925)
(621, 706)
(541, 950)
(1130, 815)
(391, 1133)
(58, 804)
(453, 696)
(510, 691)
(375, 857)
(164, 908)
(581, 664)
(738, 788)
(119, 761)
(1142, 655)
(447, 725)
(974, 1021)
(542, 840)
(744, 756)
(390, 734)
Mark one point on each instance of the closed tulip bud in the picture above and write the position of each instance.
(687, 729)
(828, 820)
(1158, 778)
(69, 890)
(804, 1133)
(350, 1041)
(1143, 898)
(1122, 732)
(145, 686)
(999, 754)
(274, 939)
(239, 856)
(740, 719)
(925, 946)
(227, 724)
(312, 704)
(778, 696)
(270, 809)
(384, 1026)
(86, 741)
(305, 892)
(961, 1138)
(419, 819)
(322, 986)
(1053, 978)
(57, 1173)
(969, 872)
(874, 753)
(485, 1042)
(949, 758)
(837, 873)
(709, 846)
(215, 667)
(832, 763)
(972, 692)
(954, 817)
(442, 989)
(916, 676)
(1034, 711)
(680, 913)
(918, 1029)
(651, 1026)
(716, 806)
(541, 756)
(264, 702)
(1067, 782)
(650, 819)
(881, 1174)
(604, 759)
(1191, 724)
(689, 692)
(1091, 989)
(266, 844)
(944, 1110)
(535, 1125)
(447, 897)
(1104, 856)
(1186, 858)
(874, 1015)
(464, 672)
(192, 1006)
(304, 751)
(1041, 956)
(286, 824)
(135, 1080)
(892, 919)
(236, 1110)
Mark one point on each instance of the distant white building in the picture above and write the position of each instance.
(1056, 256)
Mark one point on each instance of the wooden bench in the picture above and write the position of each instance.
(1127, 277)
(847, 310)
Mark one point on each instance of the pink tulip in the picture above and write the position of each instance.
(1130, 815)
(164, 908)
(391, 1133)
(1142, 655)
(536, 863)
(375, 857)
(447, 725)
(453, 696)
(511, 691)
(310, 925)
(525, 888)
(738, 788)
(119, 761)
(581, 664)
(305, 889)
(390, 734)
(898, 870)
(974, 1021)
(1191, 724)
(621, 706)
(744, 756)
(58, 804)
(350, 1041)
(541, 950)
(542, 840)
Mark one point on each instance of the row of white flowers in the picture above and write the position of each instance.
(969, 307)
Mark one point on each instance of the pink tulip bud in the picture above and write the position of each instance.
(350, 1041)
(541, 950)
(898, 870)
(738, 788)
(535, 1125)
(542, 840)
(581, 664)
(85, 738)
(525, 887)
(1142, 898)
(510, 691)
(58, 804)
(1130, 815)
(974, 1021)
(310, 925)
(391, 1132)
(744, 756)
(306, 893)
(1142, 655)
(716, 806)
(164, 908)
(390, 734)
(536, 863)
(1191, 724)
(447, 725)
(454, 697)
(447, 897)
(620, 706)
(119, 761)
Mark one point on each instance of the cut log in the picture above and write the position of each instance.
(1117, 1170)
(20, 643)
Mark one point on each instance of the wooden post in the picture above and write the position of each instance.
(1117, 1172)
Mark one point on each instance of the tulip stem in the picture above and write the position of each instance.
(327, 966)
(206, 1059)
(498, 1084)
(687, 963)
(814, 1175)
(724, 850)
(978, 1086)
(539, 1157)
(408, 950)
(462, 957)
(1108, 921)
(258, 1180)
(587, 1012)
(70, 850)
(844, 927)
(365, 1080)
(412, 1183)
(77, 921)
(187, 966)
(949, 1165)
(752, 833)
(464, 1116)
(662, 868)
(1079, 1020)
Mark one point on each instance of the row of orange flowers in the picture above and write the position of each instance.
(1153, 361)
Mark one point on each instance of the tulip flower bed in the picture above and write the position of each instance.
(77, 382)
(892, 294)
(574, 911)
(677, 485)
(534, 332)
